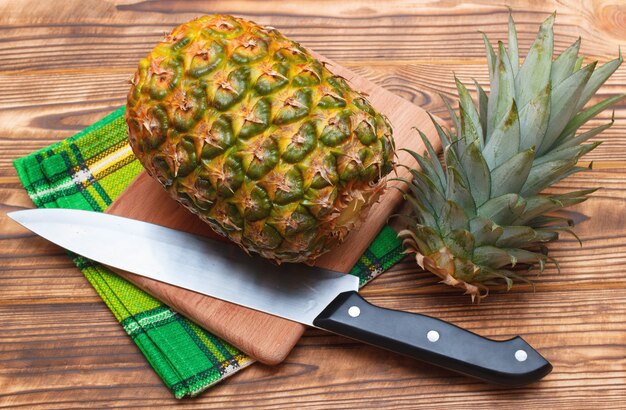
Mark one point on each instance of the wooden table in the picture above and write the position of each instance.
(64, 64)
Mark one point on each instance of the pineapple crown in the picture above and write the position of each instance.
(479, 216)
(530, 118)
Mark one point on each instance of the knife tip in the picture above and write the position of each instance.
(18, 216)
(13, 215)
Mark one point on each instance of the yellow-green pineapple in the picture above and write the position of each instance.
(249, 131)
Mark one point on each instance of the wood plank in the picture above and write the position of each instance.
(50, 357)
(428, 42)
(353, 30)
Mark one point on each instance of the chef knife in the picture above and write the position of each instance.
(315, 297)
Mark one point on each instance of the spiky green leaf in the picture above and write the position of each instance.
(533, 119)
(433, 157)
(504, 141)
(422, 211)
(483, 106)
(471, 116)
(424, 186)
(430, 237)
(460, 242)
(579, 139)
(563, 66)
(504, 209)
(424, 237)
(420, 192)
(584, 116)
(443, 136)
(485, 232)
(546, 174)
(502, 92)
(477, 172)
(541, 205)
(465, 269)
(492, 257)
(516, 237)
(534, 74)
(453, 116)
(511, 176)
(562, 105)
(451, 160)
(513, 47)
(429, 168)
(596, 80)
(551, 222)
(546, 235)
(525, 256)
(459, 193)
(491, 55)
(493, 276)
(452, 217)
(574, 152)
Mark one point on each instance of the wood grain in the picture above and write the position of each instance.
(63, 66)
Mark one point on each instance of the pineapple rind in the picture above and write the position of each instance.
(258, 138)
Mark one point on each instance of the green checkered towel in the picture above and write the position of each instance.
(88, 171)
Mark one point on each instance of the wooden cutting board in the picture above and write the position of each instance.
(264, 337)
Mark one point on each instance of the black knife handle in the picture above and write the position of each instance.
(510, 362)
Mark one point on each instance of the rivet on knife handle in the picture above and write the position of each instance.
(511, 362)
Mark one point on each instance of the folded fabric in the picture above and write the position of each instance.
(88, 171)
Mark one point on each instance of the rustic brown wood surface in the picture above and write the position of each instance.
(64, 64)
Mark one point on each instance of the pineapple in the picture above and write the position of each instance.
(483, 214)
(250, 132)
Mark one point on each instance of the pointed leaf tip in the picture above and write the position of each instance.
(533, 75)
(491, 56)
(513, 45)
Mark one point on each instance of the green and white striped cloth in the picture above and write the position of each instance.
(88, 171)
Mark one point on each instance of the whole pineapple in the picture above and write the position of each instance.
(246, 129)
(483, 214)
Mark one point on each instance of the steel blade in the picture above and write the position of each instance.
(293, 291)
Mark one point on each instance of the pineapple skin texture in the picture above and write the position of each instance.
(251, 133)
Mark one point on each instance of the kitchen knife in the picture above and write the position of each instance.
(316, 297)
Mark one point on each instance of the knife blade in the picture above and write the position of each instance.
(313, 296)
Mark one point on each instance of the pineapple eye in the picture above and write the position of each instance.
(205, 58)
(365, 132)
(295, 107)
(302, 143)
(337, 130)
(224, 27)
(250, 51)
(273, 79)
(257, 120)
(232, 90)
